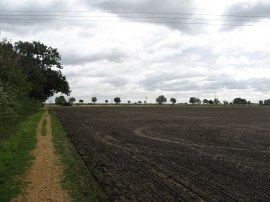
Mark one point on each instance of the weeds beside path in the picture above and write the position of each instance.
(45, 175)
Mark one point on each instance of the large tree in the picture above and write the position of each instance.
(161, 99)
(41, 65)
(239, 101)
(117, 100)
(192, 100)
(94, 99)
(173, 100)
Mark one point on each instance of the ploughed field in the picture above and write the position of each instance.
(174, 153)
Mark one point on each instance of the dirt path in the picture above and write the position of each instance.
(44, 178)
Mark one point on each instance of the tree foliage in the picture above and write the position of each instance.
(94, 99)
(266, 102)
(211, 102)
(41, 65)
(71, 100)
(216, 101)
(117, 100)
(173, 100)
(205, 101)
(29, 74)
(61, 100)
(194, 100)
(161, 99)
(240, 101)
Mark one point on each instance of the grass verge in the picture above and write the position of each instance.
(15, 156)
(43, 129)
(78, 180)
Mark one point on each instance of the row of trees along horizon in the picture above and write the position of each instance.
(30, 73)
(61, 100)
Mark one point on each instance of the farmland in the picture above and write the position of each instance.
(174, 153)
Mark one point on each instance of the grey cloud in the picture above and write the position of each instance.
(257, 11)
(116, 81)
(159, 80)
(112, 55)
(144, 10)
(193, 82)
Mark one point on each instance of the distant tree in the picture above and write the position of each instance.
(225, 102)
(244, 101)
(60, 100)
(173, 100)
(192, 100)
(117, 100)
(267, 102)
(205, 101)
(71, 100)
(94, 99)
(161, 99)
(240, 101)
(249, 103)
(216, 101)
(81, 101)
(128, 101)
(260, 102)
(211, 102)
(106, 101)
(198, 101)
(139, 102)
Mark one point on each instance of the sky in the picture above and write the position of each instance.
(141, 49)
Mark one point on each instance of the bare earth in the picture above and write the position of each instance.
(45, 175)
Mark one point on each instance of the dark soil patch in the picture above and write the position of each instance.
(176, 153)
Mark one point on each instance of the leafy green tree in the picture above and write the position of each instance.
(117, 100)
(60, 100)
(94, 99)
(240, 101)
(260, 102)
(225, 102)
(205, 101)
(81, 101)
(161, 99)
(198, 101)
(128, 101)
(38, 62)
(173, 100)
(106, 101)
(72, 100)
(192, 100)
(216, 101)
(211, 102)
(266, 102)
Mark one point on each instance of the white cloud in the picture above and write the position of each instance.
(120, 57)
(227, 61)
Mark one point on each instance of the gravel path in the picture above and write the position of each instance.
(44, 178)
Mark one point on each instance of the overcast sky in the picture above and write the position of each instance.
(138, 48)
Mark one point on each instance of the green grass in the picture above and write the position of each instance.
(43, 129)
(78, 180)
(15, 156)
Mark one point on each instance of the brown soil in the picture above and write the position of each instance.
(45, 175)
(174, 153)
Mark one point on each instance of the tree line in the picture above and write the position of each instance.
(30, 72)
(61, 100)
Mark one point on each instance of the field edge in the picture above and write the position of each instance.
(16, 157)
(77, 179)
